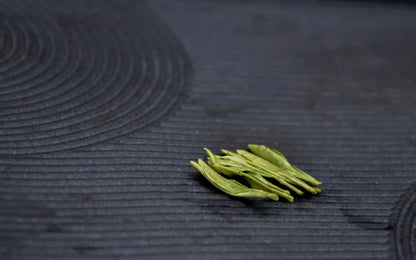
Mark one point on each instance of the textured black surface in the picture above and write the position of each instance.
(93, 168)
(75, 73)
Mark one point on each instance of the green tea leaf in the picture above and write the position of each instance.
(278, 159)
(255, 168)
(231, 187)
(255, 180)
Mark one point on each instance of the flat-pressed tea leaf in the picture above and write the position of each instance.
(241, 164)
(255, 180)
(255, 168)
(277, 158)
(269, 167)
(247, 166)
(231, 187)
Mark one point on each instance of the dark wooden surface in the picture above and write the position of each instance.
(102, 105)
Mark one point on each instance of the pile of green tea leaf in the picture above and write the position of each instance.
(259, 169)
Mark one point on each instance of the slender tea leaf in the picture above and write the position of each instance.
(231, 187)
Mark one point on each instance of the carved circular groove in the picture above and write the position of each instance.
(72, 75)
(404, 223)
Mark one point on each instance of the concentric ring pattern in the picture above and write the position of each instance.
(73, 74)
(331, 86)
(404, 222)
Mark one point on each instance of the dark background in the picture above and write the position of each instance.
(103, 104)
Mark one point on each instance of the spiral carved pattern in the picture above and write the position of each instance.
(404, 223)
(73, 75)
